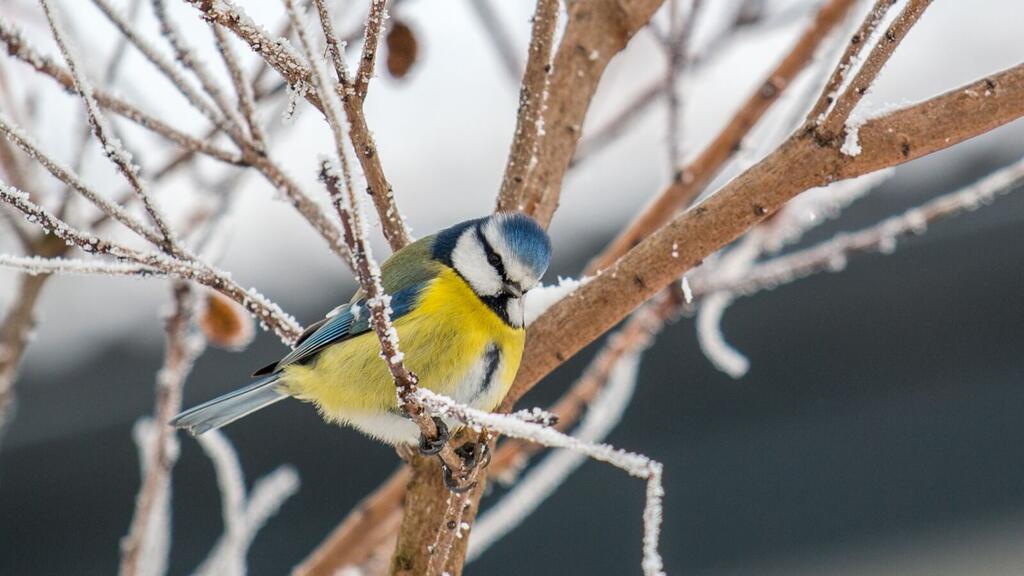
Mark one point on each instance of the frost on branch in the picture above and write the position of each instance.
(603, 414)
(244, 515)
(152, 559)
(803, 213)
(634, 464)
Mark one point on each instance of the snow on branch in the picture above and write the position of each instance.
(112, 147)
(513, 426)
(269, 314)
(17, 46)
(603, 414)
(36, 265)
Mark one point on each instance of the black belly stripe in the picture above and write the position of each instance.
(492, 357)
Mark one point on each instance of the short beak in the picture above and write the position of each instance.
(514, 290)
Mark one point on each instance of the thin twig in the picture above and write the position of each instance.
(228, 119)
(846, 63)
(243, 89)
(18, 47)
(835, 119)
(371, 38)
(111, 146)
(64, 174)
(181, 351)
(347, 204)
(267, 312)
(833, 253)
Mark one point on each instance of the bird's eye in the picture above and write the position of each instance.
(493, 259)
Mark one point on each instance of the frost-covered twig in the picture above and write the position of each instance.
(269, 313)
(23, 141)
(226, 116)
(38, 265)
(281, 56)
(788, 225)
(151, 502)
(603, 413)
(698, 173)
(167, 68)
(111, 145)
(154, 537)
(371, 38)
(847, 62)
(19, 48)
(243, 515)
(243, 88)
(512, 426)
(533, 93)
(833, 253)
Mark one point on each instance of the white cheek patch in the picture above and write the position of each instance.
(470, 259)
(514, 269)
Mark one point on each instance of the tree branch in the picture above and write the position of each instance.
(695, 176)
(180, 353)
(280, 55)
(532, 97)
(16, 46)
(597, 30)
(832, 125)
(797, 165)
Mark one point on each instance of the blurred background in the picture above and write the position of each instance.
(877, 432)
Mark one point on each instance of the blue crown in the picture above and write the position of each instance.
(527, 239)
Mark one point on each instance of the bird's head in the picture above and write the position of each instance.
(500, 256)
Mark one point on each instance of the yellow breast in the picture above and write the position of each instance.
(444, 340)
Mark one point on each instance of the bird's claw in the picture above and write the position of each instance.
(453, 484)
(431, 446)
(474, 454)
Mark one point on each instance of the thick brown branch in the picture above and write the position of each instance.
(799, 164)
(692, 179)
(532, 96)
(597, 30)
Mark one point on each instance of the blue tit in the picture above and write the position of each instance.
(457, 301)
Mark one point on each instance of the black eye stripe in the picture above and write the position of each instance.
(492, 257)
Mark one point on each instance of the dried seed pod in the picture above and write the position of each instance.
(402, 49)
(225, 323)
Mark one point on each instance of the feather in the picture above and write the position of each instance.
(226, 409)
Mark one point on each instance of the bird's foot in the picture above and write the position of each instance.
(431, 446)
(456, 485)
(474, 454)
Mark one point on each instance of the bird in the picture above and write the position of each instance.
(457, 305)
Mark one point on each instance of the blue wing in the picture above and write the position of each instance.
(345, 322)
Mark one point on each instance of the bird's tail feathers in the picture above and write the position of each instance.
(225, 409)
